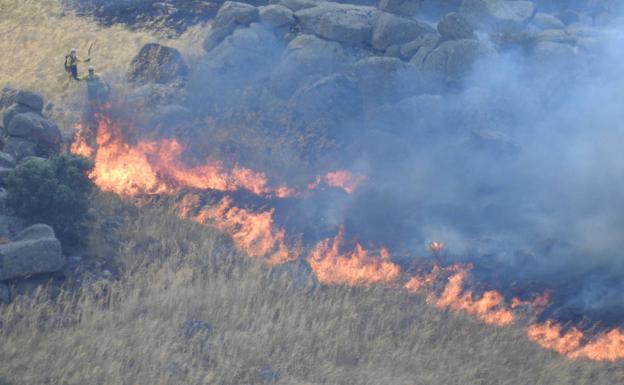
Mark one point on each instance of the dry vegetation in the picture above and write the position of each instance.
(130, 331)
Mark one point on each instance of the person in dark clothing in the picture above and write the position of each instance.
(71, 63)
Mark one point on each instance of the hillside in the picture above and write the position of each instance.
(315, 192)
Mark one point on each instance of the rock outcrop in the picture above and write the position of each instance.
(35, 250)
(157, 63)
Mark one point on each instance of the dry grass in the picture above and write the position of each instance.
(37, 34)
(129, 331)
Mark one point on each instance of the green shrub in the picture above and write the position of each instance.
(55, 192)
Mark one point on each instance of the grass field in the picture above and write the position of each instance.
(262, 328)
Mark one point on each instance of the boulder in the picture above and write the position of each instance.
(498, 15)
(231, 15)
(306, 59)
(351, 24)
(452, 60)
(20, 148)
(417, 50)
(34, 128)
(11, 112)
(454, 26)
(30, 99)
(545, 21)
(157, 63)
(35, 251)
(276, 16)
(330, 100)
(234, 12)
(5, 294)
(400, 7)
(390, 29)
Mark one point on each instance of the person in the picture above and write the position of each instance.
(71, 63)
(98, 90)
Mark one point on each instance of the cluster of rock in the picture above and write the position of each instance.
(28, 134)
(334, 60)
(27, 131)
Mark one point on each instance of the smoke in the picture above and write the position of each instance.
(517, 169)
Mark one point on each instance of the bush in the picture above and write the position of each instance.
(55, 192)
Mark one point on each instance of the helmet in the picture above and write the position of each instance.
(91, 69)
(73, 50)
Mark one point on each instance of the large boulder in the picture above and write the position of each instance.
(498, 15)
(344, 23)
(401, 7)
(30, 99)
(276, 16)
(12, 112)
(230, 16)
(34, 251)
(390, 29)
(157, 63)
(307, 59)
(454, 26)
(452, 60)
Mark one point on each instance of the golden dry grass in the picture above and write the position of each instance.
(129, 331)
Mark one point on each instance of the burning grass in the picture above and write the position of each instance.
(132, 331)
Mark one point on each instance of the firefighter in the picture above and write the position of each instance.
(71, 63)
(98, 90)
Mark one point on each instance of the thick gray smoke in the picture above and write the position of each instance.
(514, 161)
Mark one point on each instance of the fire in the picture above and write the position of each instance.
(539, 302)
(79, 146)
(344, 179)
(490, 308)
(156, 167)
(607, 346)
(357, 267)
(253, 233)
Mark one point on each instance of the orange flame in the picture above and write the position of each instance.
(80, 146)
(253, 233)
(607, 346)
(490, 308)
(155, 167)
(355, 268)
(344, 179)
(436, 247)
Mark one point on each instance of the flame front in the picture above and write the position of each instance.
(344, 179)
(357, 267)
(254, 233)
(572, 343)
